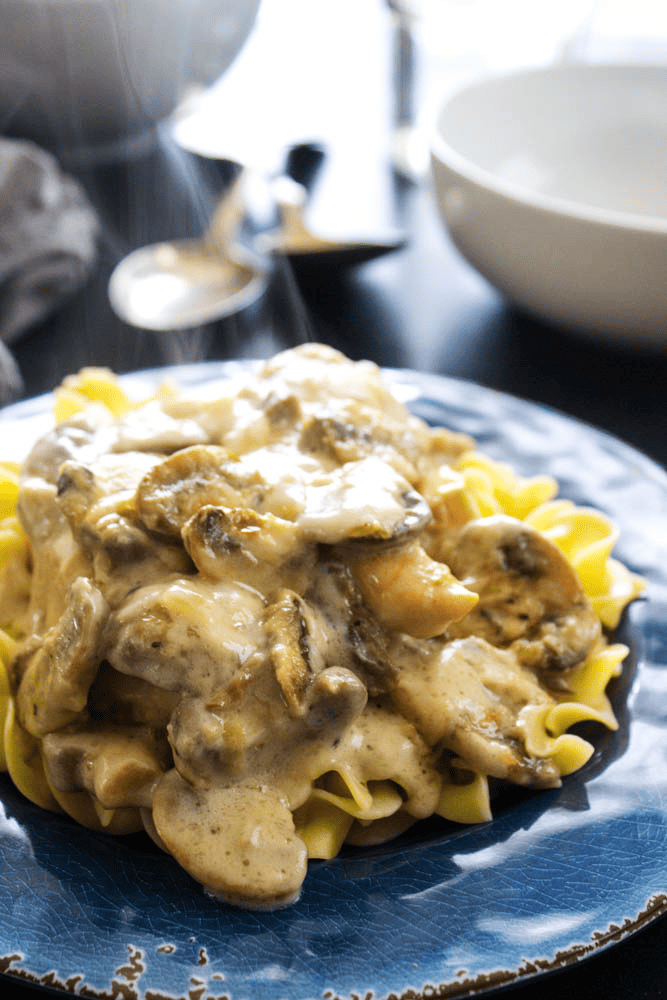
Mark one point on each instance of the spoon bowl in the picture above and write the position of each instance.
(173, 286)
(186, 283)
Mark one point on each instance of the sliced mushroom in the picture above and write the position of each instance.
(289, 647)
(239, 842)
(173, 491)
(98, 501)
(467, 695)
(362, 640)
(350, 436)
(303, 653)
(336, 698)
(335, 440)
(530, 597)
(244, 545)
(282, 412)
(79, 439)
(56, 678)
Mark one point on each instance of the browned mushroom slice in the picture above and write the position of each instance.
(282, 412)
(238, 842)
(530, 596)
(176, 488)
(245, 545)
(335, 439)
(363, 641)
(336, 698)
(290, 649)
(467, 696)
(98, 502)
(57, 675)
(302, 647)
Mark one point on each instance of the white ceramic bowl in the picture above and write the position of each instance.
(84, 76)
(553, 184)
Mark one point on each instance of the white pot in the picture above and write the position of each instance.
(81, 76)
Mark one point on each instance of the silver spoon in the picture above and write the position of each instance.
(186, 283)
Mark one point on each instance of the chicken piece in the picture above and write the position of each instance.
(125, 700)
(410, 592)
(172, 492)
(56, 558)
(239, 842)
(353, 394)
(316, 372)
(362, 501)
(530, 598)
(187, 634)
(467, 695)
(54, 673)
(119, 765)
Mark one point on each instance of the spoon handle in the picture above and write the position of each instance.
(228, 215)
(303, 162)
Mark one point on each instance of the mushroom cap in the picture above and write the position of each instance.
(239, 841)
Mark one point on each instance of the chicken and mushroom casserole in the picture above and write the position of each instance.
(293, 616)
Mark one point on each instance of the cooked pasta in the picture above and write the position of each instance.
(289, 617)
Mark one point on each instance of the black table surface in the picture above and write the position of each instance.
(422, 307)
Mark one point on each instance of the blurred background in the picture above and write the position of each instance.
(150, 106)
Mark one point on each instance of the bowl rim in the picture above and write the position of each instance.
(467, 169)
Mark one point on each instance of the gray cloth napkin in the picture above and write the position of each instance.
(11, 380)
(48, 236)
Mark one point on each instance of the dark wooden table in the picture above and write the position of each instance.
(422, 307)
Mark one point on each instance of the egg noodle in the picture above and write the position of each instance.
(290, 617)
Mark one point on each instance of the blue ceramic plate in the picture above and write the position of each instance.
(556, 876)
